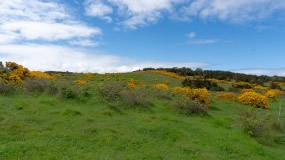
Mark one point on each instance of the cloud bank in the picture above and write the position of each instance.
(58, 58)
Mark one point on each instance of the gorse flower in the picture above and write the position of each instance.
(227, 96)
(254, 99)
(274, 93)
(43, 75)
(202, 94)
(15, 74)
(161, 86)
(169, 74)
(80, 82)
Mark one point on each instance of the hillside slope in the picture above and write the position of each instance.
(41, 126)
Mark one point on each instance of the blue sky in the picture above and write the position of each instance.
(124, 35)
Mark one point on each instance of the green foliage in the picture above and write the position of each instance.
(136, 97)
(36, 85)
(202, 83)
(7, 88)
(111, 91)
(184, 103)
(255, 123)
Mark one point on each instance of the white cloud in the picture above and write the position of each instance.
(233, 10)
(96, 8)
(58, 58)
(269, 72)
(203, 41)
(35, 10)
(191, 35)
(84, 43)
(50, 31)
(24, 20)
(136, 13)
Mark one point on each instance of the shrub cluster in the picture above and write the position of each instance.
(166, 73)
(136, 97)
(254, 99)
(7, 88)
(201, 95)
(202, 83)
(119, 92)
(161, 86)
(255, 123)
(69, 91)
(273, 94)
(186, 104)
(227, 96)
(14, 73)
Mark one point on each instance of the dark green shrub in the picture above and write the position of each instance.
(242, 86)
(161, 94)
(52, 89)
(69, 92)
(255, 123)
(36, 85)
(188, 105)
(7, 88)
(137, 97)
(111, 90)
(217, 89)
(202, 83)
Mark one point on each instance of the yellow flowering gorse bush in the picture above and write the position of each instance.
(17, 73)
(80, 82)
(169, 74)
(161, 86)
(43, 75)
(227, 96)
(202, 95)
(254, 99)
(246, 90)
(273, 94)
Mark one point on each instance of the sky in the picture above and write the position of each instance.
(245, 36)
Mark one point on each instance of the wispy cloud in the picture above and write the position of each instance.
(84, 43)
(202, 41)
(136, 13)
(191, 35)
(193, 40)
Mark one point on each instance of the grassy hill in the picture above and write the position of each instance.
(44, 126)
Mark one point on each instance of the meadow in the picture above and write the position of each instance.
(130, 116)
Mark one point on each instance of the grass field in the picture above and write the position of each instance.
(48, 127)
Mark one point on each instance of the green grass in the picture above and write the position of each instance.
(47, 127)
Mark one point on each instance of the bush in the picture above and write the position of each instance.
(135, 97)
(217, 88)
(199, 83)
(184, 103)
(111, 90)
(254, 123)
(273, 94)
(227, 96)
(200, 95)
(161, 93)
(79, 92)
(242, 86)
(254, 99)
(161, 86)
(7, 89)
(246, 90)
(36, 85)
